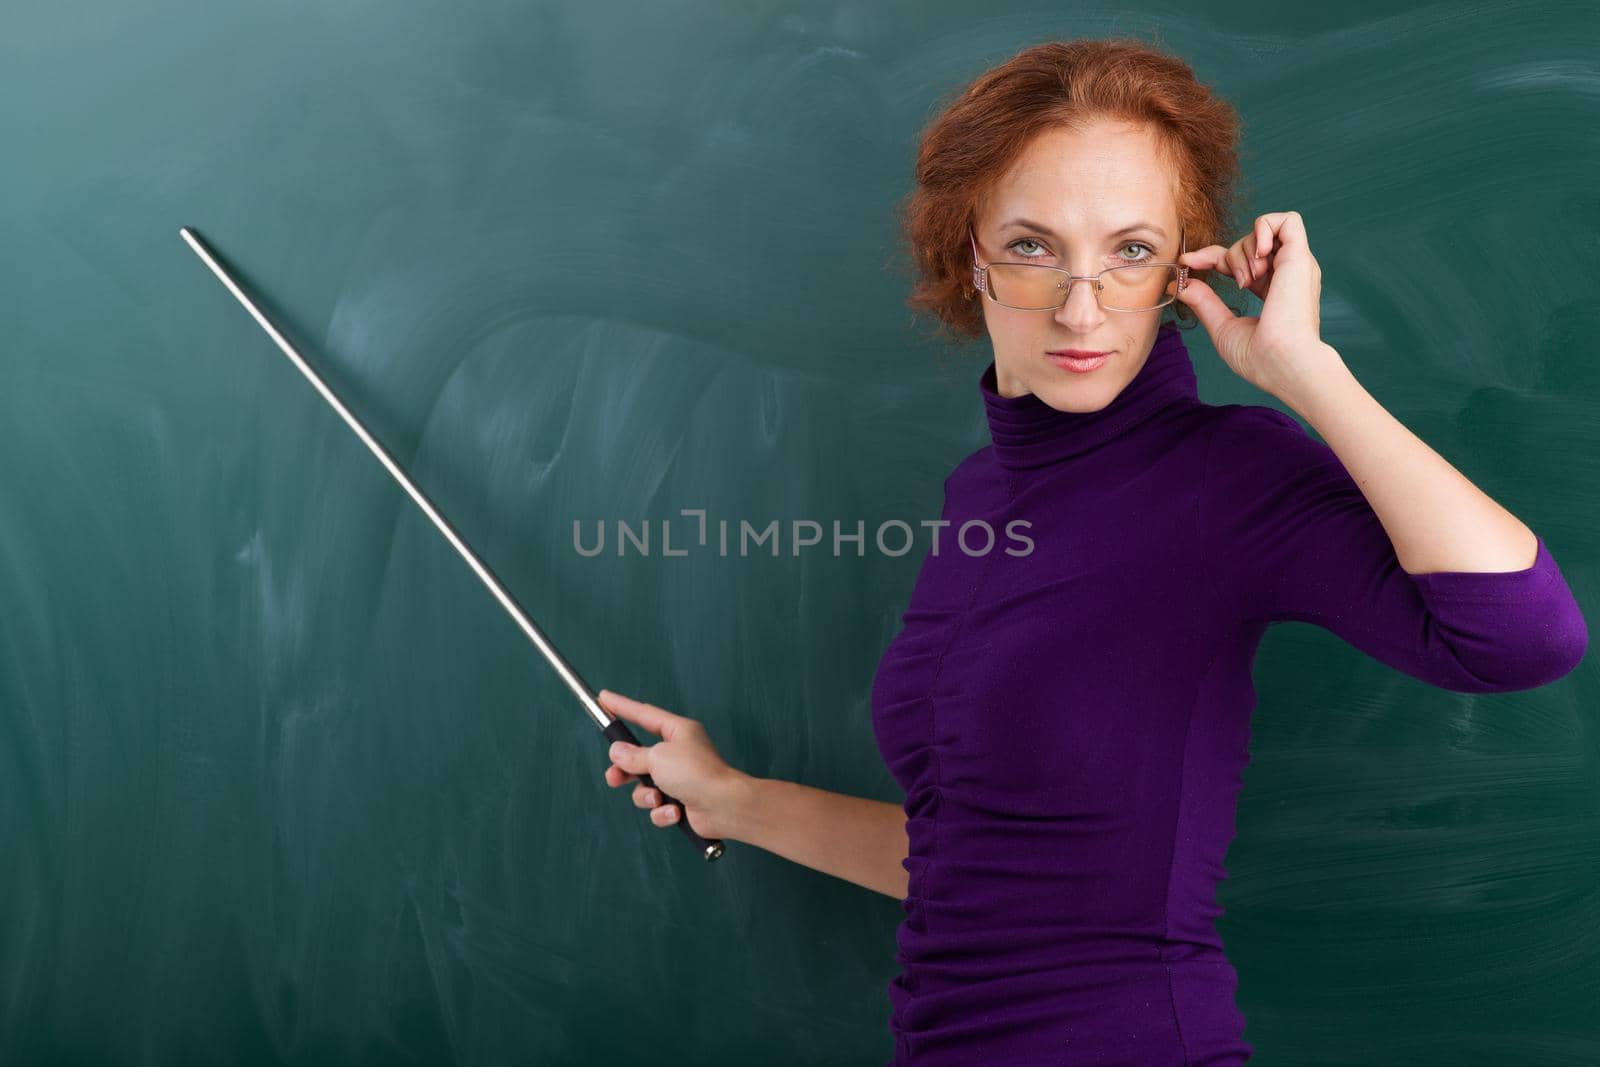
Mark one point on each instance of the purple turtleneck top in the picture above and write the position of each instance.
(1070, 722)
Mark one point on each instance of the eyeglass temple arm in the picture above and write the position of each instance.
(979, 273)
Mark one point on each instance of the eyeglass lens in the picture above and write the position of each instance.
(1136, 287)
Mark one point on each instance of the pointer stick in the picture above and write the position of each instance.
(615, 729)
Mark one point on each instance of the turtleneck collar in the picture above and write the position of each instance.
(1027, 432)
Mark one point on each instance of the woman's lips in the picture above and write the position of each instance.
(1078, 360)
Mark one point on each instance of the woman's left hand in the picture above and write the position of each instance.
(1284, 344)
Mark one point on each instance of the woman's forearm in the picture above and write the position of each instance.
(1436, 519)
(860, 840)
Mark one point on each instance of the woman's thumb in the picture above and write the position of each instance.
(631, 758)
(1206, 304)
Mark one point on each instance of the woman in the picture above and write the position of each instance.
(1070, 724)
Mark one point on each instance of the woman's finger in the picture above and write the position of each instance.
(1260, 268)
(645, 797)
(616, 776)
(665, 815)
(1243, 276)
(1211, 257)
(1204, 257)
(658, 721)
(1263, 235)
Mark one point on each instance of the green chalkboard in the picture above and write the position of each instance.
(281, 783)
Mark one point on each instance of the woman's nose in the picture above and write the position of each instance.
(1082, 308)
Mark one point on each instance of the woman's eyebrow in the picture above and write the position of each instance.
(1027, 224)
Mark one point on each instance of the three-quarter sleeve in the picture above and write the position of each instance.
(1285, 533)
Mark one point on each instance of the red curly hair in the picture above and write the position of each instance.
(989, 123)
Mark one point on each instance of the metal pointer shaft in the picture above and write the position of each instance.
(615, 729)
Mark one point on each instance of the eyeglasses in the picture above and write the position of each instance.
(1037, 287)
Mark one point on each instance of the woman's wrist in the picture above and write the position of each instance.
(741, 799)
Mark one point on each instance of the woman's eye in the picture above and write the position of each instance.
(1149, 253)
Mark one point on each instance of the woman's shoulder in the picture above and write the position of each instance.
(973, 469)
(1257, 436)
(975, 483)
(1260, 461)
(1257, 421)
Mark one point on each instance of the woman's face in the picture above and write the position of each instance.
(1077, 190)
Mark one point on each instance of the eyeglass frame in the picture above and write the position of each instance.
(980, 277)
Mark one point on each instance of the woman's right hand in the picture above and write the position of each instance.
(684, 763)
